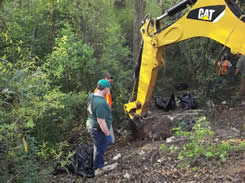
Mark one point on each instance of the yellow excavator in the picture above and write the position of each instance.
(220, 20)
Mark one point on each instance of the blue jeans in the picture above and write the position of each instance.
(100, 142)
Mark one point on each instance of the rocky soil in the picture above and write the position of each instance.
(142, 160)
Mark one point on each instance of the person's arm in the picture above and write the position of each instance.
(238, 66)
(103, 126)
(235, 74)
(237, 71)
(229, 64)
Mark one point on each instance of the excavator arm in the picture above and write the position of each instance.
(219, 20)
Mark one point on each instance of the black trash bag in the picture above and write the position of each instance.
(161, 103)
(81, 163)
(187, 101)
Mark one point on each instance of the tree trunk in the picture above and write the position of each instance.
(187, 56)
(53, 33)
(139, 8)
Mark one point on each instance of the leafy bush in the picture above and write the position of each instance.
(71, 63)
(198, 145)
(17, 163)
(34, 109)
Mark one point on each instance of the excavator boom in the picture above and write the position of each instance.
(219, 20)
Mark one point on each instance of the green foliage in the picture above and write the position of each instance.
(61, 156)
(45, 151)
(155, 7)
(16, 164)
(22, 106)
(59, 153)
(26, 27)
(26, 164)
(242, 145)
(71, 64)
(125, 17)
(107, 37)
(53, 54)
(31, 107)
(198, 145)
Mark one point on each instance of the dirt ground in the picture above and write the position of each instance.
(142, 160)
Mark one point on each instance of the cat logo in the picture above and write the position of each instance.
(208, 13)
(205, 14)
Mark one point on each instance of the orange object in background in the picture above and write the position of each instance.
(108, 98)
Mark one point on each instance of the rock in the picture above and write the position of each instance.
(224, 102)
(115, 158)
(210, 104)
(170, 139)
(236, 130)
(110, 167)
(126, 176)
(141, 153)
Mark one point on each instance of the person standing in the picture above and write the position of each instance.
(240, 68)
(99, 122)
(108, 97)
(223, 67)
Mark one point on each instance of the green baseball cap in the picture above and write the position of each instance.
(103, 84)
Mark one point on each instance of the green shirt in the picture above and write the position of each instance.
(98, 108)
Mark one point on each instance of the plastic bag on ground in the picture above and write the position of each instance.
(161, 103)
(187, 101)
(81, 163)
